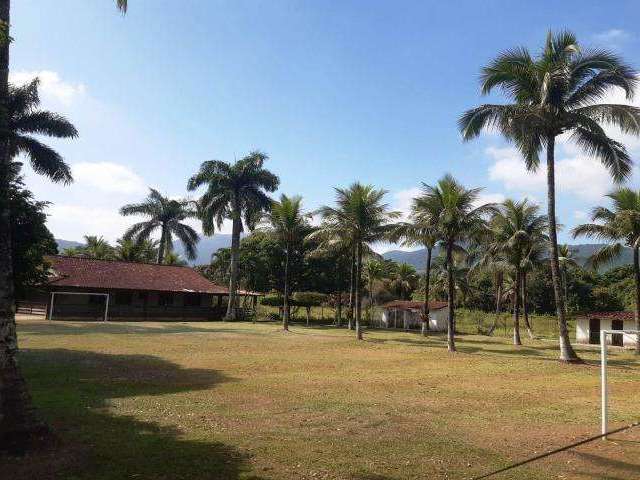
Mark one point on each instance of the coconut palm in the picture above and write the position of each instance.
(375, 271)
(619, 227)
(362, 215)
(234, 191)
(404, 280)
(458, 220)
(552, 94)
(515, 228)
(130, 251)
(166, 215)
(420, 230)
(534, 259)
(173, 258)
(566, 259)
(290, 225)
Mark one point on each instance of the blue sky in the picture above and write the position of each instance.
(332, 91)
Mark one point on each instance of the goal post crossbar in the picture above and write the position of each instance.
(603, 374)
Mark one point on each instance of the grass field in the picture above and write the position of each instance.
(242, 401)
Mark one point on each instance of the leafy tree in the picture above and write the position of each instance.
(516, 229)
(459, 220)
(362, 216)
(619, 227)
(552, 94)
(308, 300)
(166, 215)
(31, 239)
(237, 192)
(290, 225)
(404, 280)
(375, 271)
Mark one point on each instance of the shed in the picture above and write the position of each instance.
(589, 325)
(407, 314)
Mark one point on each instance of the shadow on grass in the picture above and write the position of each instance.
(73, 390)
(607, 465)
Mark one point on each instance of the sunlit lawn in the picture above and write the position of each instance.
(236, 400)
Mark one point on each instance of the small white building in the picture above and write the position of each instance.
(407, 315)
(589, 325)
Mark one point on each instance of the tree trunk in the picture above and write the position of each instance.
(352, 278)
(339, 309)
(357, 289)
(498, 279)
(636, 272)
(525, 306)
(427, 281)
(285, 316)
(567, 354)
(308, 309)
(516, 310)
(162, 245)
(451, 325)
(232, 310)
(20, 426)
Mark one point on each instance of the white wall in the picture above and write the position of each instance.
(582, 330)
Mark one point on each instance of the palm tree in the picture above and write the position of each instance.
(515, 228)
(97, 247)
(552, 94)
(420, 230)
(130, 251)
(19, 119)
(363, 216)
(23, 121)
(375, 271)
(458, 220)
(565, 260)
(166, 215)
(235, 191)
(405, 279)
(619, 227)
(173, 258)
(290, 225)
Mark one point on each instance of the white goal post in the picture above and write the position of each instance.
(603, 373)
(106, 304)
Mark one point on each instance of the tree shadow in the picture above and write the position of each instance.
(73, 390)
(608, 465)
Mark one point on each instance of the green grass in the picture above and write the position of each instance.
(242, 401)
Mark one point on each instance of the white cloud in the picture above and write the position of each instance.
(581, 215)
(612, 38)
(71, 222)
(485, 198)
(108, 177)
(403, 199)
(579, 175)
(51, 85)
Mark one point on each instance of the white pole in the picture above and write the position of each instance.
(603, 379)
(106, 308)
(51, 306)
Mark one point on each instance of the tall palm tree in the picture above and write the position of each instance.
(515, 228)
(361, 214)
(420, 230)
(19, 119)
(556, 93)
(458, 220)
(166, 215)
(290, 224)
(619, 227)
(566, 259)
(24, 121)
(235, 191)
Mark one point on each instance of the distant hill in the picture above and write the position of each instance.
(582, 252)
(206, 246)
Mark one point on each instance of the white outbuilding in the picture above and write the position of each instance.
(589, 325)
(407, 315)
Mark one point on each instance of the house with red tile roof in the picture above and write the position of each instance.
(87, 288)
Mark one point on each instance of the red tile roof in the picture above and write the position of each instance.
(104, 274)
(411, 305)
(612, 315)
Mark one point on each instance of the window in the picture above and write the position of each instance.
(192, 300)
(165, 299)
(124, 298)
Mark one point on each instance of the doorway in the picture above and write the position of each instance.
(594, 331)
(617, 338)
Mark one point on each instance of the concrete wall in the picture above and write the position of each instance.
(582, 330)
(437, 319)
